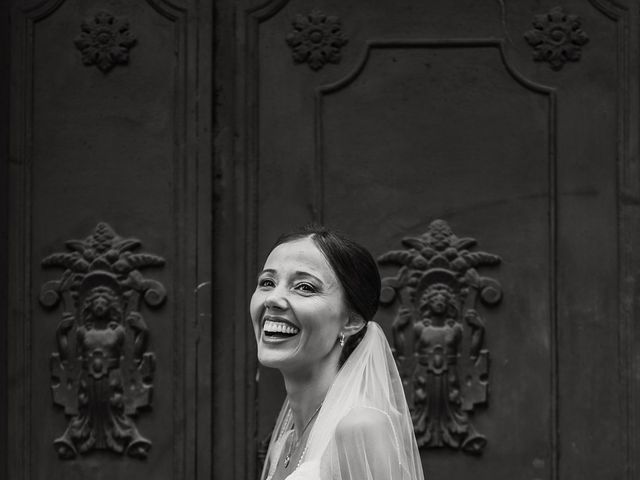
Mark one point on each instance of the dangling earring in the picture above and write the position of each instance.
(342, 339)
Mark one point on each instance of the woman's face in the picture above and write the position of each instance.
(298, 308)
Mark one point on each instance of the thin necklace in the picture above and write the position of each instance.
(287, 459)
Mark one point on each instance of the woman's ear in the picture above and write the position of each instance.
(354, 324)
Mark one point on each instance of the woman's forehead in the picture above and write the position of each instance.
(299, 256)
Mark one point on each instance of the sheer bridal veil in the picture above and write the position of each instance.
(363, 430)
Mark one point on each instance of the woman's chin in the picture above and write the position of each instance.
(277, 353)
(274, 361)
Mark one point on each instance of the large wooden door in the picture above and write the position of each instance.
(514, 124)
(158, 148)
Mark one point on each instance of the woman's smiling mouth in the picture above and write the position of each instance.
(279, 329)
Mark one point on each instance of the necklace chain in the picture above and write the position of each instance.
(291, 448)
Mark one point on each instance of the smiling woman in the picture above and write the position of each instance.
(345, 416)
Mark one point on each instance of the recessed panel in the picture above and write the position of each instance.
(444, 132)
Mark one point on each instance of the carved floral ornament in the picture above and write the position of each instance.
(438, 333)
(316, 39)
(557, 38)
(105, 41)
(102, 373)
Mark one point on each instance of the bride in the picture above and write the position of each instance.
(345, 416)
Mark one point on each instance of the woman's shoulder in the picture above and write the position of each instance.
(363, 420)
(366, 445)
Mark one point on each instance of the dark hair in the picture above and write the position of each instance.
(355, 268)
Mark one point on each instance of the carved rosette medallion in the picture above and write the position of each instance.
(557, 38)
(105, 41)
(102, 373)
(316, 39)
(438, 333)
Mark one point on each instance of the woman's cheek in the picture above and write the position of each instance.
(255, 307)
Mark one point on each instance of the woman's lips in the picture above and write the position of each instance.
(271, 326)
(275, 329)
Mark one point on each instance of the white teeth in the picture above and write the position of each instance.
(279, 327)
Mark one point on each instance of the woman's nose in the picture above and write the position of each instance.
(276, 299)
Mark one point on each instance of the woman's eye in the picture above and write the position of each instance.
(266, 283)
(306, 287)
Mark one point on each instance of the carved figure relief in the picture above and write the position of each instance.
(102, 373)
(316, 39)
(557, 38)
(105, 41)
(438, 334)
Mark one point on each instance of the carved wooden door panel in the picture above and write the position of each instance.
(486, 152)
(109, 240)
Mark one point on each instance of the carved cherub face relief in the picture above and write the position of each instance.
(101, 304)
(438, 299)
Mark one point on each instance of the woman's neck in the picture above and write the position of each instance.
(305, 394)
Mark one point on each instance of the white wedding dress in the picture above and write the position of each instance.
(363, 430)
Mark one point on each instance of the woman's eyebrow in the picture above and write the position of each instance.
(302, 273)
(266, 270)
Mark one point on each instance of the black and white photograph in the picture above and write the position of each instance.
(320, 240)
